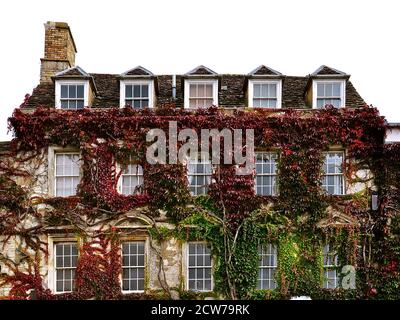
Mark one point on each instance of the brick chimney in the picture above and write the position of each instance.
(59, 50)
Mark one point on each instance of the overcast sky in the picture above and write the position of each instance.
(294, 37)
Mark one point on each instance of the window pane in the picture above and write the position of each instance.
(136, 104)
(272, 90)
(266, 175)
(66, 256)
(336, 103)
(336, 89)
(257, 90)
(209, 91)
(79, 104)
(201, 91)
(72, 91)
(199, 267)
(72, 104)
(64, 104)
(193, 90)
(79, 93)
(136, 91)
(145, 103)
(64, 91)
(145, 91)
(66, 173)
(320, 90)
(128, 91)
(264, 91)
(199, 175)
(267, 266)
(328, 90)
(131, 178)
(133, 266)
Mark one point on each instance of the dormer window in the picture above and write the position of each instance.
(328, 92)
(137, 93)
(265, 94)
(201, 93)
(72, 94)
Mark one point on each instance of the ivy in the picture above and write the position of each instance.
(232, 218)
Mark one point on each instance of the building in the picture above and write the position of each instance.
(85, 216)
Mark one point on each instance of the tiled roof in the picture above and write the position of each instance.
(201, 70)
(74, 71)
(264, 71)
(232, 91)
(137, 71)
(325, 70)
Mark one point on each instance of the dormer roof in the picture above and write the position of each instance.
(137, 71)
(325, 71)
(76, 73)
(201, 71)
(264, 71)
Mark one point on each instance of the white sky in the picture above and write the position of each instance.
(294, 37)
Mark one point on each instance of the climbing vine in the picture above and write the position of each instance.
(232, 218)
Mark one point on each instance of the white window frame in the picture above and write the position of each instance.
(51, 160)
(261, 267)
(186, 266)
(199, 157)
(342, 90)
(278, 92)
(146, 255)
(330, 267)
(133, 82)
(188, 82)
(85, 84)
(55, 168)
(51, 273)
(118, 167)
(276, 175)
(335, 174)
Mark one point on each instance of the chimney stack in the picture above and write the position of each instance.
(59, 50)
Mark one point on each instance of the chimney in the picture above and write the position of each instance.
(59, 50)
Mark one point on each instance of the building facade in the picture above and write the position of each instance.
(85, 215)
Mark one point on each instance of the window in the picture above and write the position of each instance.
(267, 266)
(332, 179)
(331, 280)
(66, 257)
(199, 267)
(265, 94)
(71, 95)
(199, 175)
(201, 93)
(329, 93)
(66, 174)
(133, 266)
(131, 179)
(137, 94)
(266, 174)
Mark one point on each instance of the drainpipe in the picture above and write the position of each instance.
(174, 87)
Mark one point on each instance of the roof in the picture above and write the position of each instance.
(325, 70)
(201, 70)
(137, 71)
(232, 89)
(264, 71)
(74, 71)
